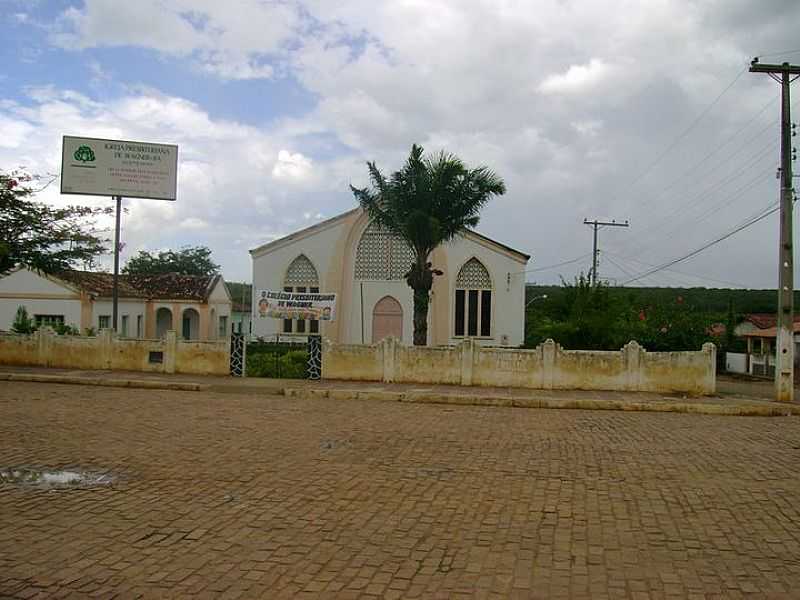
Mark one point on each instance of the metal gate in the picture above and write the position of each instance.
(284, 357)
(238, 355)
(314, 357)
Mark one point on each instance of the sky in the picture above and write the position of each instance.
(645, 113)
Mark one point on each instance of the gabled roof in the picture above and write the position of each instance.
(166, 286)
(305, 232)
(302, 233)
(766, 320)
(770, 332)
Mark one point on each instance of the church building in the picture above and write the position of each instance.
(481, 294)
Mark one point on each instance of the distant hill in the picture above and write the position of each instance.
(708, 300)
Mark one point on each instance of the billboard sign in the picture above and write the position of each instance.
(292, 305)
(99, 167)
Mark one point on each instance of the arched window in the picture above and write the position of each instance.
(382, 256)
(473, 302)
(301, 277)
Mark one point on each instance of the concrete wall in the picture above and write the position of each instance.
(106, 351)
(547, 366)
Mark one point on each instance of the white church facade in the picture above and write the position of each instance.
(481, 294)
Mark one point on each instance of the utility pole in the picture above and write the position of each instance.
(595, 250)
(784, 347)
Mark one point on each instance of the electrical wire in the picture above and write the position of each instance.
(561, 264)
(705, 246)
(784, 53)
(684, 273)
(688, 130)
(727, 201)
(682, 177)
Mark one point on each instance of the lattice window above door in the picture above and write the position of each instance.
(473, 275)
(382, 255)
(301, 272)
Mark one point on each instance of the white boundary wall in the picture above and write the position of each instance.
(547, 366)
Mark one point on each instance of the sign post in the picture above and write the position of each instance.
(117, 168)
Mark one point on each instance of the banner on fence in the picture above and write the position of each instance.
(294, 305)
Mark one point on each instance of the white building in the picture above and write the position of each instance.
(198, 308)
(481, 294)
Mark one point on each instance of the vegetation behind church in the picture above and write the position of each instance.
(578, 316)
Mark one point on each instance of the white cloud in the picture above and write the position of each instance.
(569, 102)
(231, 41)
(291, 166)
(225, 191)
(578, 78)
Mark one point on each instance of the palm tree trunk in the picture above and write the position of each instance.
(420, 279)
(421, 302)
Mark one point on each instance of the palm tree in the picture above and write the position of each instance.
(427, 203)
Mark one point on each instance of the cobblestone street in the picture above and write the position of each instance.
(241, 496)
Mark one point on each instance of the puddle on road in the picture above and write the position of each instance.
(53, 478)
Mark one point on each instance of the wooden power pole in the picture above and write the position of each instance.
(784, 347)
(595, 224)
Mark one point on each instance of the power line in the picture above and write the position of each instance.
(728, 200)
(783, 53)
(561, 264)
(686, 131)
(680, 178)
(704, 247)
(684, 273)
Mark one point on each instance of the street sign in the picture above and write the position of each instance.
(99, 167)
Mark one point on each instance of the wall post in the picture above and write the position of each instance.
(170, 351)
(105, 340)
(549, 348)
(389, 347)
(632, 357)
(711, 370)
(468, 350)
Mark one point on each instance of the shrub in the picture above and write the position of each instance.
(22, 322)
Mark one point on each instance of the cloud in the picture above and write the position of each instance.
(233, 42)
(578, 78)
(572, 104)
(225, 192)
(291, 166)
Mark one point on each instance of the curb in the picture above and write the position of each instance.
(145, 384)
(740, 410)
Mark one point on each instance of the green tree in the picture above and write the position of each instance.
(581, 316)
(189, 260)
(44, 237)
(22, 322)
(427, 202)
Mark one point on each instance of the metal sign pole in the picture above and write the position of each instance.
(115, 294)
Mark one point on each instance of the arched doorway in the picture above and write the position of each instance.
(163, 321)
(190, 329)
(387, 319)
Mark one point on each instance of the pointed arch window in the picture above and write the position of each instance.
(473, 301)
(301, 277)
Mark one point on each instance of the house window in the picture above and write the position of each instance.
(48, 320)
(139, 326)
(301, 277)
(124, 326)
(223, 326)
(104, 321)
(473, 301)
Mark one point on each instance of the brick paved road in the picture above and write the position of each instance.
(237, 496)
